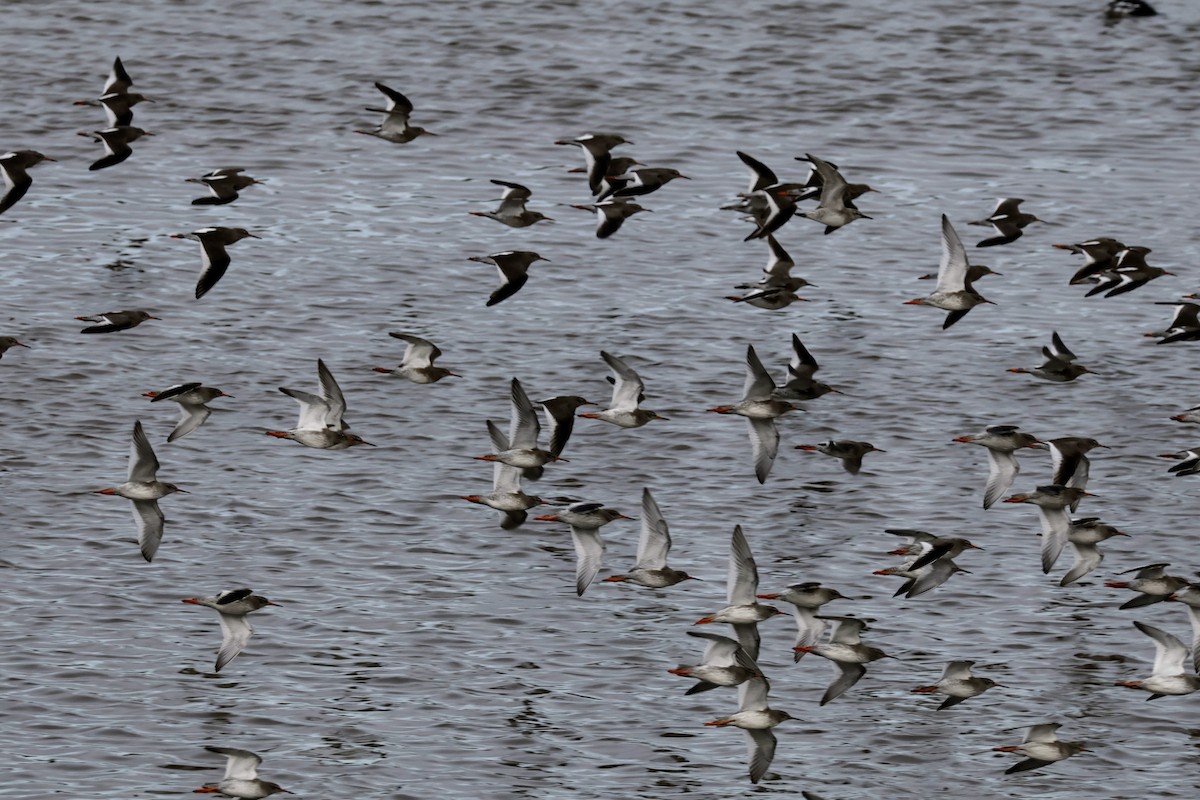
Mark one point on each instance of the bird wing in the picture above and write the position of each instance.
(513, 275)
(233, 596)
(150, 521)
(752, 695)
(932, 577)
(398, 104)
(116, 147)
(214, 260)
(628, 388)
(1148, 571)
(833, 185)
(848, 630)
(419, 353)
(1042, 733)
(952, 271)
(143, 466)
(748, 637)
(313, 410)
(1027, 764)
(589, 550)
(1194, 616)
(1007, 206)
(759, 384)
(193, 416)
(1007, 230)
(802, 365)
(957, 671)
(1087, 558)
(118, 79)
(1056, 526)
(175, 391)
(764, 442)
(761, 175)
(499, 440)
(743, 572)
(1002, 471)
(236, 631)
(720, 650)
(761, 744)
(242, 764)
(655, 541)
(931, 551)
(1065, 460)
(808, 629)
(1169, 652)
(848, 675)
(512, 202)
(779, 265)
(562, 422)
(524, 429)
(333, 397)
(513, 189)
(1058, 349)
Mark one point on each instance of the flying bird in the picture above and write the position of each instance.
(800, 384)
(836, 208)
(523, 451)
(954, 292)
(807, 599)
(192, 399)
(116, 141)
(596, 155)
(650, 569)
(585, 520)
(1152, 583)
(241, 779)
(761, 408)
(846, 650)
(112, 321)
(513, 266)
(611, 214)
(232, 606)
(1001, 441)
(416, 365)
(224, 185)
(958, 683)
(742, 609)
(1052, 502)
(394, 127)
(1007, 220)
(1169, 676)
(506, 495)
(1041, 748)
(724, 663)
(628, 392)
(1060, 366)
(850, 452)
(512, 211)
(756, 718)
(144, 488)
(320, 424)
(213, 258)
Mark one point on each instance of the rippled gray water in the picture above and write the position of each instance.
(422, 652)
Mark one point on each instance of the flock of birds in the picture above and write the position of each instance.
(517, 455)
